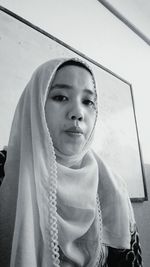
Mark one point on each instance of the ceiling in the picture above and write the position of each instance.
(134, 13)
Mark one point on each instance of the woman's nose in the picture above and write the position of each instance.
(76, 114)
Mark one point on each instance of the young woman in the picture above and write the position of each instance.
(60, 205)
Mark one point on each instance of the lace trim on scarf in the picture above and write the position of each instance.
(100, 254)
(53, 240)
(102, 249)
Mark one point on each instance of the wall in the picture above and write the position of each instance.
(90, 28)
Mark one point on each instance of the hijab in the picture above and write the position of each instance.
(47, 207)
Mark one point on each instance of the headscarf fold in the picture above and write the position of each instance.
(34, 205)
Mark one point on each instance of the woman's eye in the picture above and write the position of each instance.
(89, 102)
(59, 98)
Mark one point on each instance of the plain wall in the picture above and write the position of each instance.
(91, 29)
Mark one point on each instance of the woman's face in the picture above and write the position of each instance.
(71, 109)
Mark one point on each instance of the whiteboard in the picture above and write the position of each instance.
(22, 48)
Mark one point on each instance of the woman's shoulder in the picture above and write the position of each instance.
(110, 177)
(3, 154)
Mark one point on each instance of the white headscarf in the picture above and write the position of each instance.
(38, 211)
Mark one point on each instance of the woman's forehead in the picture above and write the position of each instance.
(72, 75)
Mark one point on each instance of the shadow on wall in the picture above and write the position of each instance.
(142, 215)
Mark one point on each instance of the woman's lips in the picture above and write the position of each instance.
(74, 131)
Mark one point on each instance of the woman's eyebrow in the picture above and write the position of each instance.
(67, 86)
(61, 86)
(90, 92)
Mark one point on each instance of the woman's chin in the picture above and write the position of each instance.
(73, 151)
